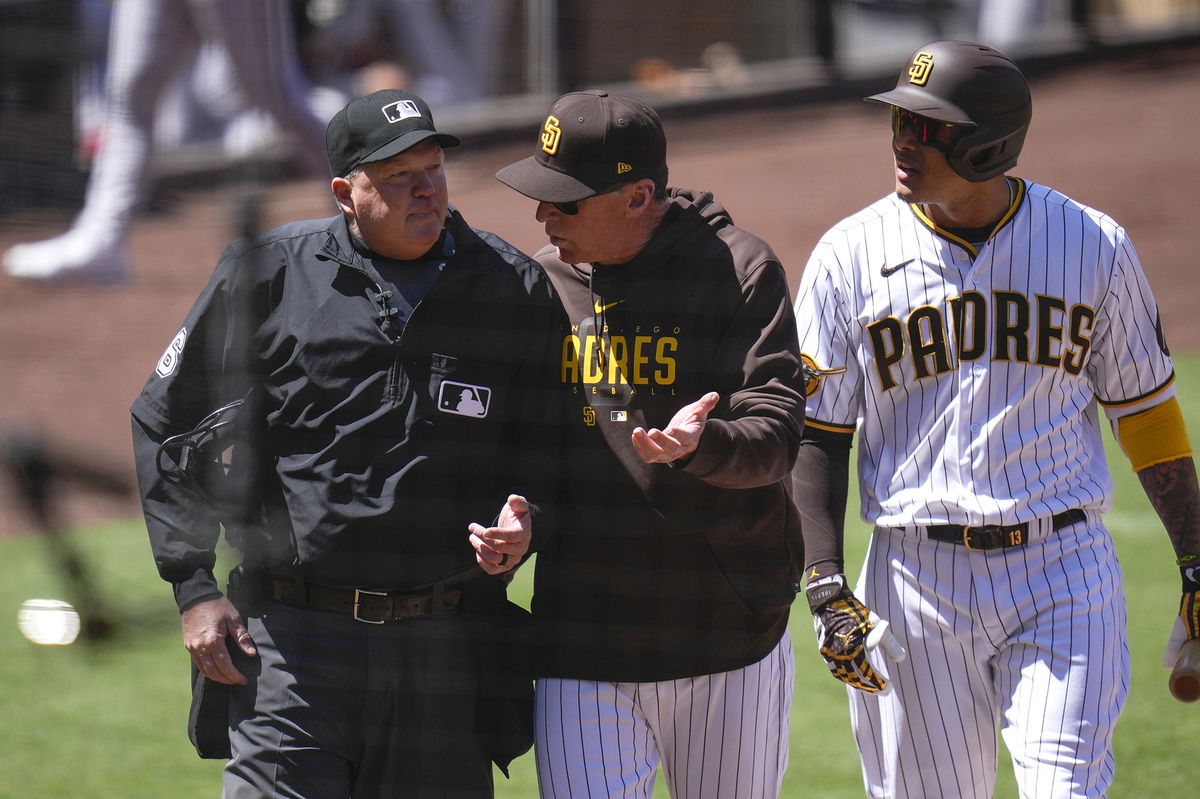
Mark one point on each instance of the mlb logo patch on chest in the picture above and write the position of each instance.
(464, 399)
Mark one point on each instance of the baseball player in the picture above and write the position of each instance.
(971, 327)
(150, 42)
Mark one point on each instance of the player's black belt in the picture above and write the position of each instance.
(997, 536)
(366, 605)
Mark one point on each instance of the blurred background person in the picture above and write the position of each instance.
(447, 52)
(150, 43)
(1009, 25)
(1019, 26)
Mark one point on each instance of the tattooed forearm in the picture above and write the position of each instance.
(1173, 491)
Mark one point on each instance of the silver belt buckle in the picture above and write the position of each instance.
(358, 594)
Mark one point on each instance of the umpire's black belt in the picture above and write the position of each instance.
(997, 536)
(366, 605)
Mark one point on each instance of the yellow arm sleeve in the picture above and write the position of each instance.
(1154, 436)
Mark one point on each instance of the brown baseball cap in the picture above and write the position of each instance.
(377, 127)
(591, 142)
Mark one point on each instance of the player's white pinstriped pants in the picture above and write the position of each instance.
(719, 736)
(1030, 639)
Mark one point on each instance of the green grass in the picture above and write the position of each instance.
(108, 720)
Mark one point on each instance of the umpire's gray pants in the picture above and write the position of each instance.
(336, 708)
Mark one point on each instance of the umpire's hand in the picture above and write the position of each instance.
(205, 629)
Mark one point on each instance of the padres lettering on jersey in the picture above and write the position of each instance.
(613, 365)
(1010, 327)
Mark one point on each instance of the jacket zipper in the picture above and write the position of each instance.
(394, 388)
(385, 317)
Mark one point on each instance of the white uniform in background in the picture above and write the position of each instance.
(149, 43)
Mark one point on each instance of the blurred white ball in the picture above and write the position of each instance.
(48, 621)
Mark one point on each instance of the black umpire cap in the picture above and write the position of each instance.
(377, 127)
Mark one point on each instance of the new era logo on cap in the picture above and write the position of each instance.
(399, 110)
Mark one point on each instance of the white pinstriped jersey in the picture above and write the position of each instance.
(974, 381)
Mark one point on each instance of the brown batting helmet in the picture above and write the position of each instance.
(968, 84)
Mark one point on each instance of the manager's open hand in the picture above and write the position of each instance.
(682, 435)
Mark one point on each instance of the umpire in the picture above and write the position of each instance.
(380, 377)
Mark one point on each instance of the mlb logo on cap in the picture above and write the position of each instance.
(402, 109)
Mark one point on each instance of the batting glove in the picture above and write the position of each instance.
(1187, 623)
(847, 632)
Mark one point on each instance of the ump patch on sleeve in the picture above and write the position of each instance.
(170, 358)
(464, 399)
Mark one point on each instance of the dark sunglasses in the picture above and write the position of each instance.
(929, 132)
(571, 207)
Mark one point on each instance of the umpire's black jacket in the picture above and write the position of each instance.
(385, 429)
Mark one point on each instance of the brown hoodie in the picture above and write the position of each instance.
(659, 572)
